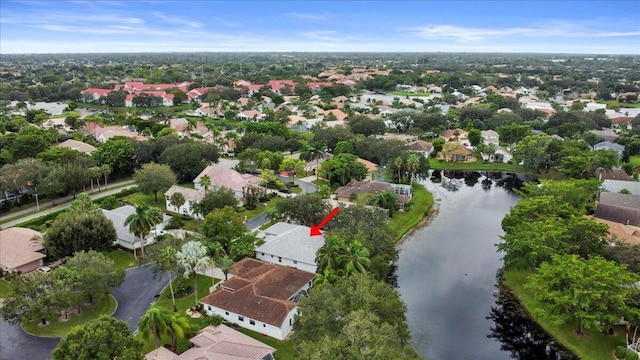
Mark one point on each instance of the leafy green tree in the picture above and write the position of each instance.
(218, 199)
(292, 167)
(153, 178)
(593, 292)
(534, 152)
(158, 322)
(30, 141)
(103, 339)
(475, 137)
(252, 196)
(513, 133)
(305, 209)
(117, 153)
(193, 258)
(326, 311)
(84, 227)
(188, 159)
(328, 256)
(342, 168)
(360, 124)
(97, 273)
(386, 199)
(223, 226)
(34, 298)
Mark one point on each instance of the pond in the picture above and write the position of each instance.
(447, 272)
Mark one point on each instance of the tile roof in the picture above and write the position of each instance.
(192, 195)
(362, 187)
(421, 145)
(265, 295)
(228, 178)
(224, 343)
(292, 242)
(18, 249)
(77, 145)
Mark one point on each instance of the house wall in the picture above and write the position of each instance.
(185, 209)
(277, 260)
(275, 332)
(29, 267)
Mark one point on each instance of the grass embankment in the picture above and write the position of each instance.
(58, 328)
(619, 104)
(594, 346)
(634, 160)
(403, 221)
(5, 289)
(122, 259)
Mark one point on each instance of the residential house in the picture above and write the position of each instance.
(422, 147)
(455, 152)
(621, 208)
(371, 167)
(206, 110)
(490, 137)
(191, 197)
(228, 178)
(95, 93)
(261, 297)
(282, 87)
(250, 115)
(102, 134)
(125, 238)
(290, 245)
(454, 135)
(606, 135)
(608, 145)
(356, 188)
(337, 113)
(78, 146)
(500, 155)
(317, 86)
(21, 250)
(622, 122)
(218, 343)
(299, 123)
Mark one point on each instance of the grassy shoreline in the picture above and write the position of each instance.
(594, 346)
(404, 223)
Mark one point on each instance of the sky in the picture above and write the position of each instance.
(576, 27)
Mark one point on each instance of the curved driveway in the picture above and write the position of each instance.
(134, 296)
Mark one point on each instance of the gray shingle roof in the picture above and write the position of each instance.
(291, 242)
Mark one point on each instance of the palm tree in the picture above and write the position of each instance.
(178, 327)
(398, 163)
(205, 182)
(413, 164)
(156, 321)
(311, 152)
(490, 150)
(168, 262)
(177, 200)
(191, 259)
(328, 276)
(355, 258)
(328, 255)
(140, 223)
(225, 263)
(156, 216)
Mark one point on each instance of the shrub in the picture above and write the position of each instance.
(175, 222)
(182, 291)
(213, 320)
(621, 352)
(41, 220)
(631, 356)
(109, 203)
(241, 209)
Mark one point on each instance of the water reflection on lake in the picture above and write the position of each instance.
(447, 271)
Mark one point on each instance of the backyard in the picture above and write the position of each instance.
(403, 221)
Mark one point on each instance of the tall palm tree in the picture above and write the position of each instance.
(205, 182)
(179, 326)
(191, 259)
(315, 151)
(140, 223)
(413, 164)
(168, 262)
(225, 263)
(328, 255)
(156, 321)
(355, 258)
(328, 276)
(398, 164)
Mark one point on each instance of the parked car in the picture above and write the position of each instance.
(285, 191)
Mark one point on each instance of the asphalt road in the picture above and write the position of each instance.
(256, 222)
(134, 296)
(305, 186)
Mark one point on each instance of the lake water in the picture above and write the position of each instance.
(447, 277)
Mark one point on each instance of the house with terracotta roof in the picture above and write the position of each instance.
(95, 93)
(371, 166)
(218, 343)
(317, 86)
(422, 147)
(191, 197)
(21, 250)
(450, 135)
(78, 146)
(355, 188)
(454, 152)
(337, 113)
(290, 245)
(262, 297)
(250, 115)
(228, 178)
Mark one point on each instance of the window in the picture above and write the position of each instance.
(279, 259)
(272, 256)
(295, 262)
(264, 325)
(209, 307)
(290, 321)
(241, 318)
(252, 322)
(226, 313)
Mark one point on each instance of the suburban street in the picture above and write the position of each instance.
(134, 296)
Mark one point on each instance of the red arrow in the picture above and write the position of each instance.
(315, 230)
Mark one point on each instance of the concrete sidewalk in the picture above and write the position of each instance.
(21, 216)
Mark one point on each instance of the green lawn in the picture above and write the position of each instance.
(620, 104)
(261, 208)
(5, 289)
(58, 329)
(634, 160)
(140, 198)
(68, 113)
(595, 346)
(189, 185)
(319, 182)
(122, 259)
(409, 93)
(402, 221)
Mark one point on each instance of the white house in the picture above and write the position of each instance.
(290, 245)
(490, 137)
(261, 297)
(125, 238)
(608, 145)
(191, 197)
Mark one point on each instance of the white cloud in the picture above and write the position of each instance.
(309, 16)
(178, 20)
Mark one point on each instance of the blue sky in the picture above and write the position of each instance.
(603, 27)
